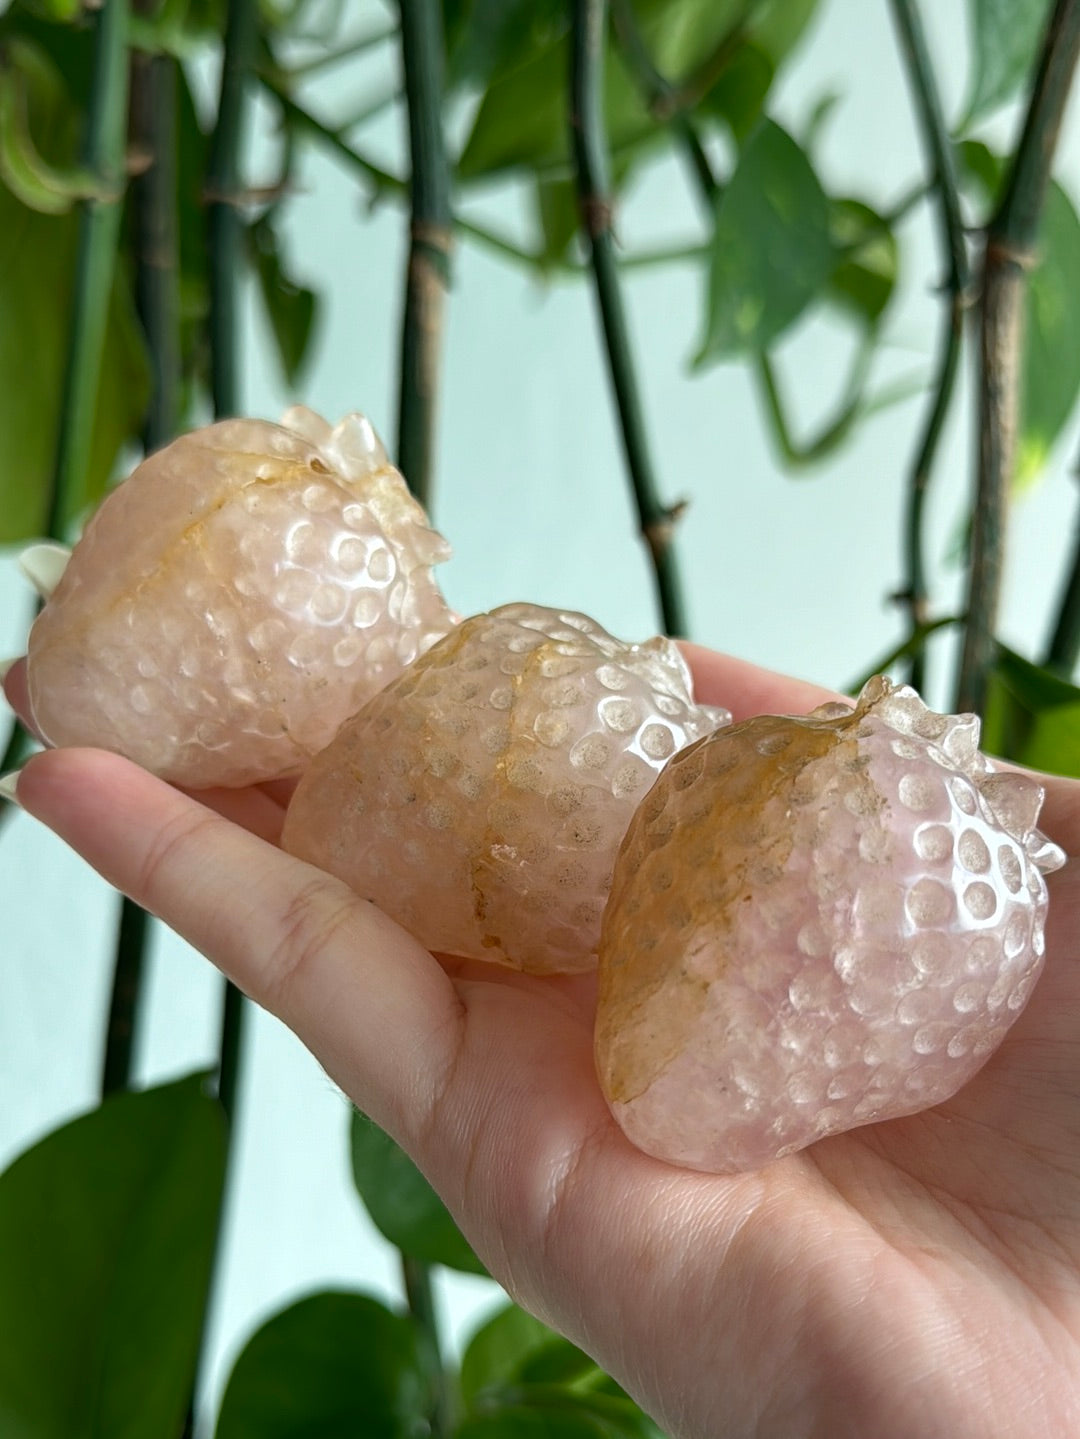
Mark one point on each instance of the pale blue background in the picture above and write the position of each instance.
(792, 572)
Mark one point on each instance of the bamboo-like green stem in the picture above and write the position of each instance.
(416, 1276)
(657, 520)
(224, 198)
(431, 233)
(156, 228)
(129, 964)
(431, 230)
(939, 151)
(225, 238)
(155, 224)
(95, 261)
(1010, 240)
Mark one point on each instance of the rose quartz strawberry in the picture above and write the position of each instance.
(234, 601)
(479, 799)
(814, 924)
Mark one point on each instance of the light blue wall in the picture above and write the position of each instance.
(793, 573)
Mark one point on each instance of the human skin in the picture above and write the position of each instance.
(907, 1280)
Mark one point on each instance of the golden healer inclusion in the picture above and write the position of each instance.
(236, 599)
(815, 924)
(480, 799)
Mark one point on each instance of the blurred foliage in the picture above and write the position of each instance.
(107, 1226)
(107, 1230)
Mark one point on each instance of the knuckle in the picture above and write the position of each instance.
(176, 835)
(310, 922)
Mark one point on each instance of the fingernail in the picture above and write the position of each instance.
(5, 665)
(9, 784)
(43, 565)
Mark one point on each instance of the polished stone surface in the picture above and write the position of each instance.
(235, 600)
(480, 799)
(815, 924)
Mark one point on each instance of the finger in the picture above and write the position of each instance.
(748, 690)
(15, 693)
(252, 809)
(1059, 819)
(373, 1006)
(260, 810)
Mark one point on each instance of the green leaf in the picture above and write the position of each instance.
(37, 257)
(1033, 716)
(1005, 37)
(556, 206)
(62, 11)
(976, 162)
(777, 26)
(522, 120)
(292, 309)
(497, 1352)
(1051, 366)
(107, 1231)
(771, 248)
(869, 258)
(560, 1362)
(402, 1204)
(484, 36)
(549, 1411)
(23, 169)
(739, 94)
(334, 1365)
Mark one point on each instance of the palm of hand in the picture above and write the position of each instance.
(916, 1278)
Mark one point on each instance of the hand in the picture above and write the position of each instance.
(914, 1279)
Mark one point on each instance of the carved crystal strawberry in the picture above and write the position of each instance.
(814, 924)
(480, 799)
(234, 601)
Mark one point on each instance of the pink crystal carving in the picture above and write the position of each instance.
(480, 799)
(815, 924)
(233, 602)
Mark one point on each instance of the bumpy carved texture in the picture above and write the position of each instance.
(233, 602)
(816, 923)
(480, 799)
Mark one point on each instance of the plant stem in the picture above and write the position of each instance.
(153, 198)
(224, 197)
(939, 149)
(129, 963)
(421, 1301)
(359, 45)
(225, 238)
(663, 99)
(95, 262)
(431, 233)
(1010, 240)
(657, 520)
(95, 265)
(802, 453)
(907, 647)
(430, 241)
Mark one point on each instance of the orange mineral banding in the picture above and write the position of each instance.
(235, 600)
(815, 924)
(480, 799)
